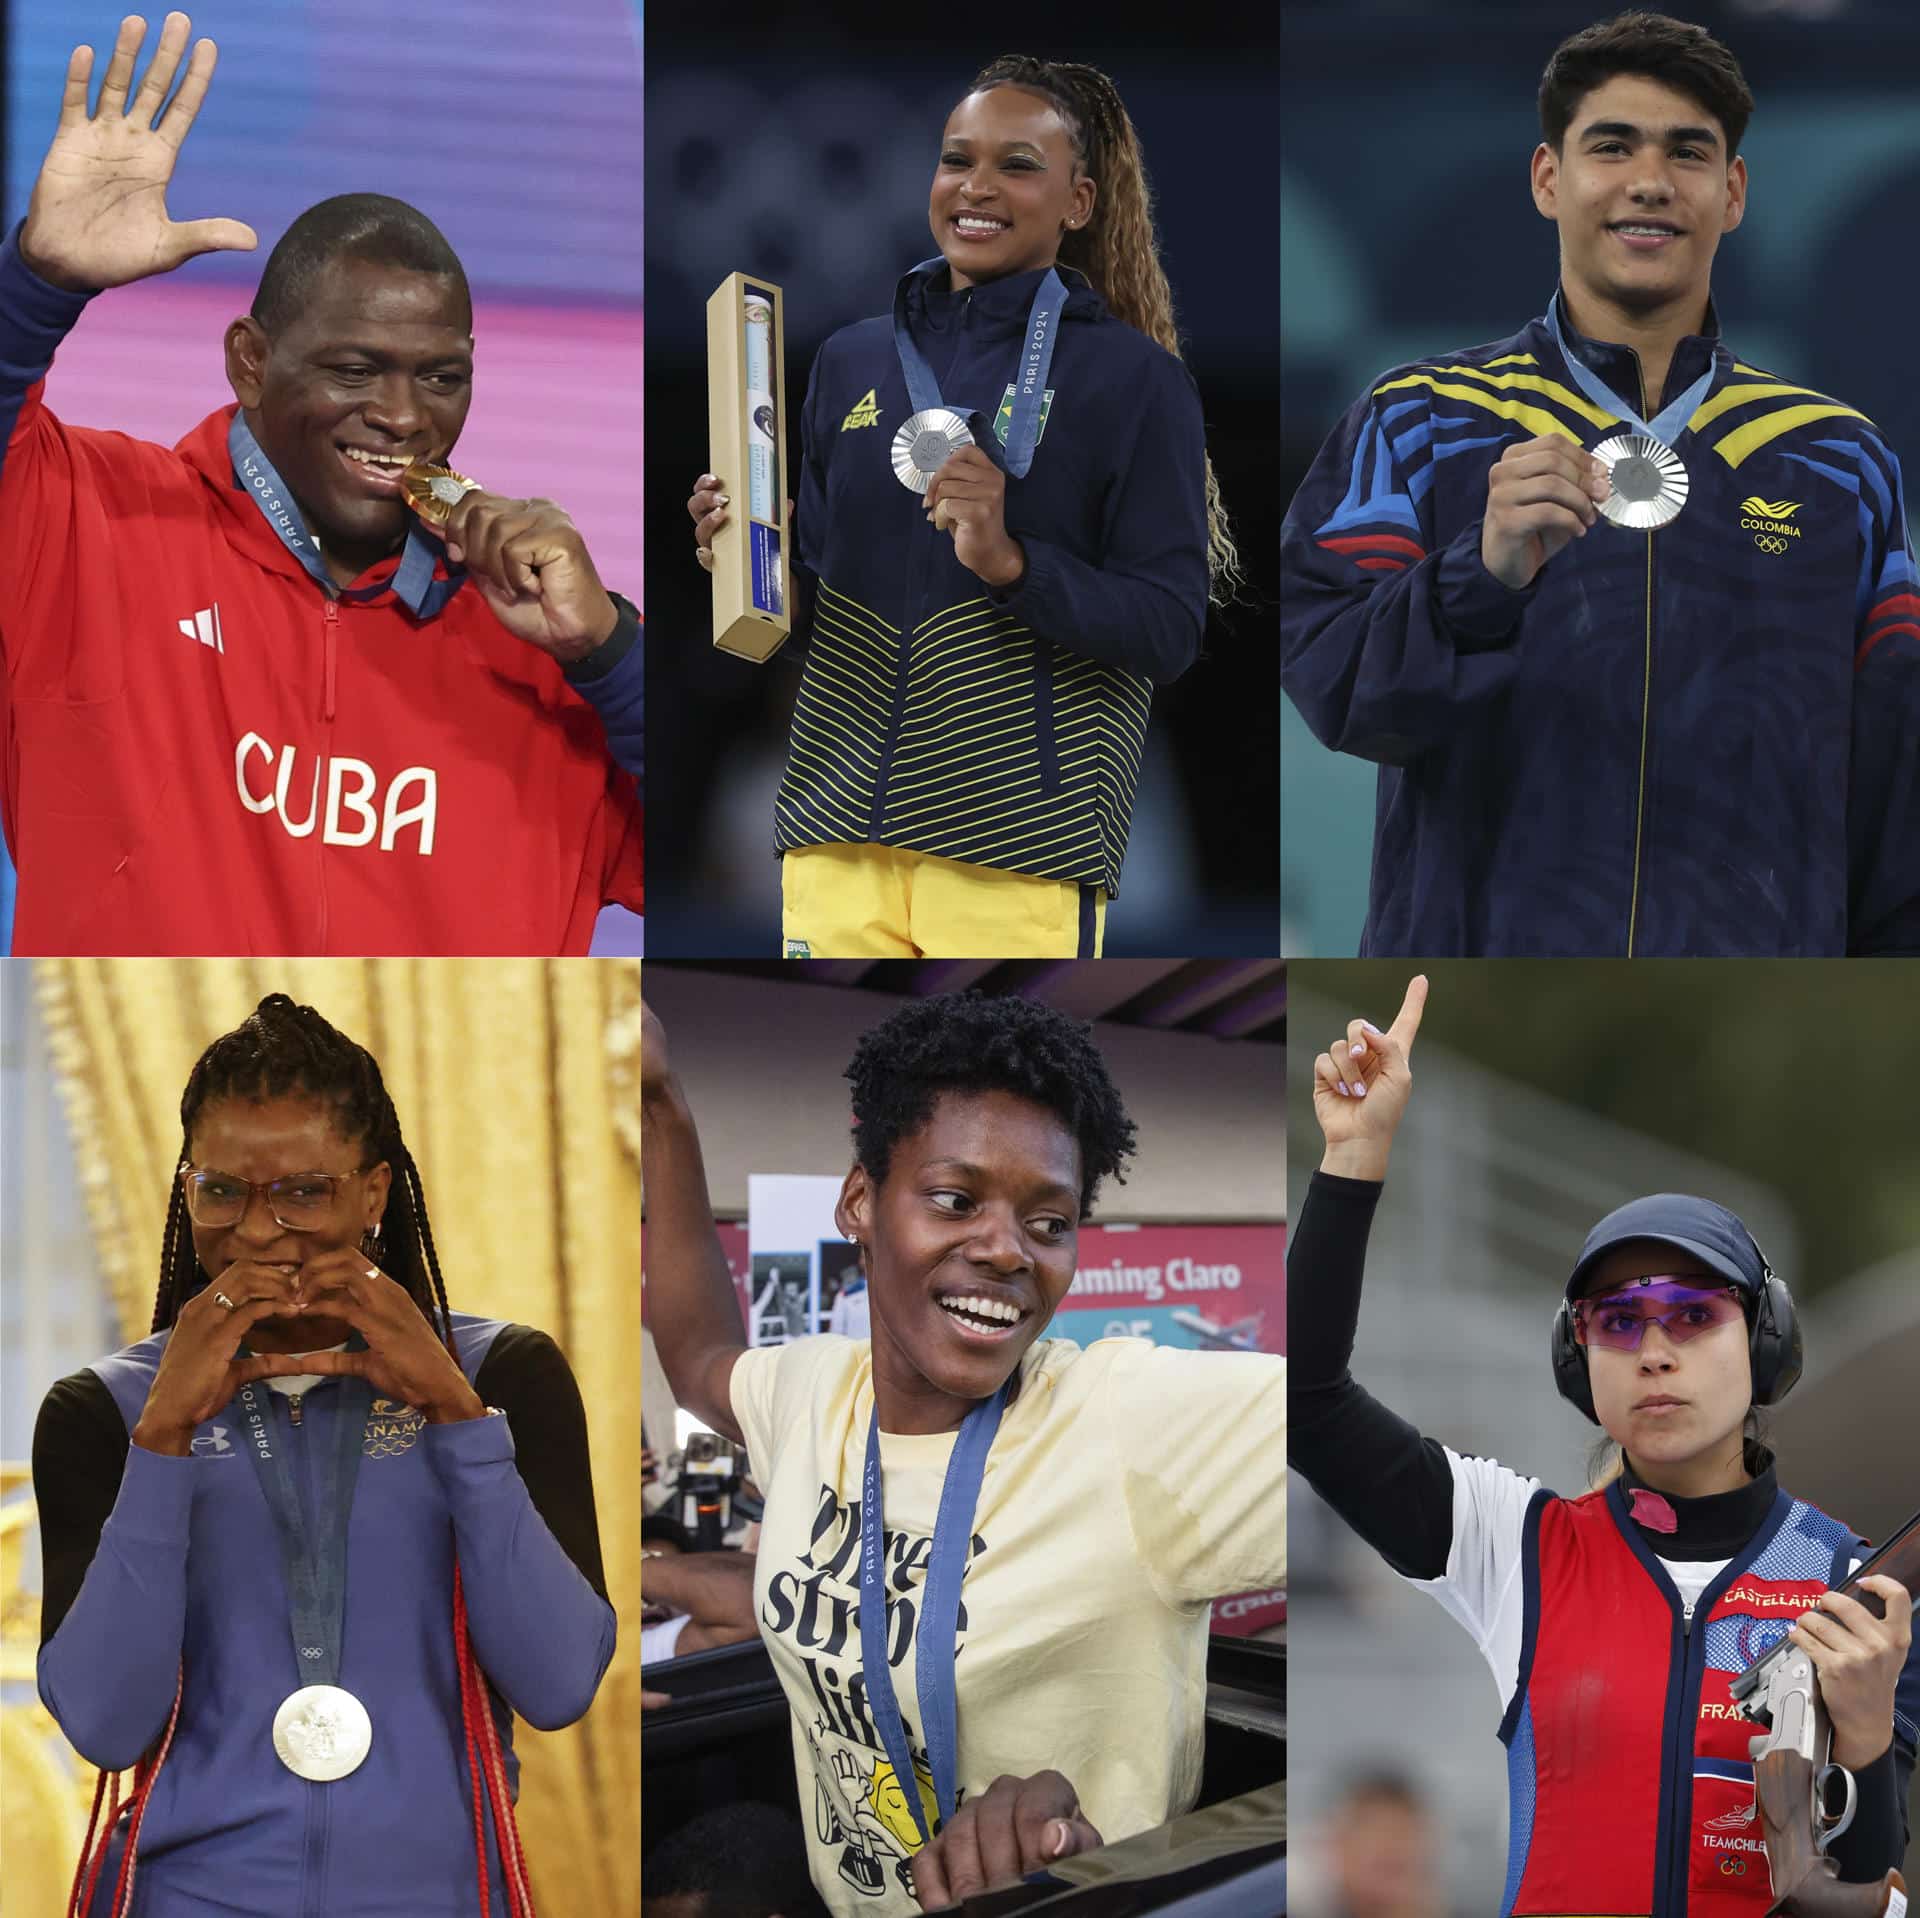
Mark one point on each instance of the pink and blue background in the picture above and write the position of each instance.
(516, 130)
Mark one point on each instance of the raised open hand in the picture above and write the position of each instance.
(98, 216)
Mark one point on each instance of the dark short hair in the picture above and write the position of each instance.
(743, 1860)
(975, 1042)
(356, 226)
(1657, 47)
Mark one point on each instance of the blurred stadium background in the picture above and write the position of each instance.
(1545, 1094)
(800, 144)
(525, 149)
(1407, 229)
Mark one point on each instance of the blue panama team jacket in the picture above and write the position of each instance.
(1000, 727)
(1703, 740)
(188, 1578)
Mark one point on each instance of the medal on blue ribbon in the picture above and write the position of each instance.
(1649, 479)
(413, 582)
(939, 1609)
(936, 431)
(321, 1731)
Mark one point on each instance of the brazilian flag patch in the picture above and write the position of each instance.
(1004, 418)
(798, 949)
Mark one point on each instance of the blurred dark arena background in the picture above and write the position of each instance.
(799, 143)
(1407, 229)
(523, 144)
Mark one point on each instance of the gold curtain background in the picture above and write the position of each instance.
(517, 1085)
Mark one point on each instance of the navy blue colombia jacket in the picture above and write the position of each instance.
(934, 714)
(1703, 740)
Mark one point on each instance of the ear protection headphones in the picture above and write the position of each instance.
(1773, 1344)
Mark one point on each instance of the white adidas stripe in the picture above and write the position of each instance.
(205, 627)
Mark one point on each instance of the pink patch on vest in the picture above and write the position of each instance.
(1652, 1511)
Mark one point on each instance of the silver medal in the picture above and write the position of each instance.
(322, 1732)
(1649, 482)
(925, 444)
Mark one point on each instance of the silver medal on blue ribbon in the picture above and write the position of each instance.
(320, 1731)
(936, 431)
(1648, 478)
(925, 443)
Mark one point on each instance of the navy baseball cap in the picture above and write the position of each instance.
(1710, 1232)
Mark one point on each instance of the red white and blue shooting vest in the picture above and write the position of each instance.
(1631, 1788)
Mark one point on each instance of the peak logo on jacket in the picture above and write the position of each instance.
(860, 1803)
(358, 807)
(865, 412)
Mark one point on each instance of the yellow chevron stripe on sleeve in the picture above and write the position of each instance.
(1729, 397)
(1735, 446)
(1535, 417)
(1511, 382)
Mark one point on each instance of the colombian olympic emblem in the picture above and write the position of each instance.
(1770, 542)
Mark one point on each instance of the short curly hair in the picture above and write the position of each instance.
(980, 1042)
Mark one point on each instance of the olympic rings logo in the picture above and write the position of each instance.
(1770, 542)
(1733, 1868)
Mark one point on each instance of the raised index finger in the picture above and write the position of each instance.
(1412, 1009)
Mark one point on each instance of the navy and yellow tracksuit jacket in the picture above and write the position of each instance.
(1703, 740)
(1000, 727)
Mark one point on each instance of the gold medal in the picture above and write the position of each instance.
(434, 491)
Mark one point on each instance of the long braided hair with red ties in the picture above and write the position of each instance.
(1118, 249)
(282, 1048)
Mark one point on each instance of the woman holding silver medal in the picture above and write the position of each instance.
(987, 1557)
(1011, 531)
(311, 1546)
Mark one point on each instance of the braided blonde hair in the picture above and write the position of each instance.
(1117, 249)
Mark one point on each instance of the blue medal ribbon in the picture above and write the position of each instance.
(313, 1556)
(1030, 383)
(1666, 426)
(413, 583)
(939, 1608)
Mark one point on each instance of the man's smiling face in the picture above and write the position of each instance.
(1641, 191)
(375, 371)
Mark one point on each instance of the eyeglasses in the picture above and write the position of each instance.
(300, 1201)
(1619, 1320)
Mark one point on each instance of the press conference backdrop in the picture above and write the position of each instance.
(802, 147)
(524, 148)
(1407, 228)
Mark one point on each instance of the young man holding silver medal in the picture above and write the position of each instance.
(248, 705)
(1629, 625)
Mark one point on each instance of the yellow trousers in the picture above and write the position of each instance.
(878, 902)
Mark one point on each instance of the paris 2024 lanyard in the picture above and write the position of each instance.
(936, 431)
(939, 1607)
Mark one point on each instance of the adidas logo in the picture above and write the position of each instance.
(866, 411)
(205, 627)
